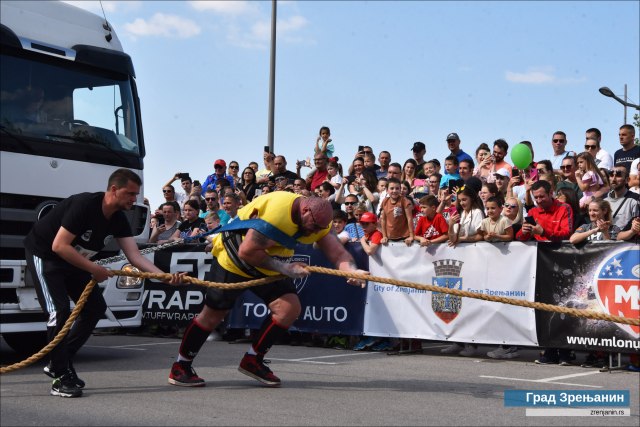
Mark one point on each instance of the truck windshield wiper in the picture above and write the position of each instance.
(88, 138)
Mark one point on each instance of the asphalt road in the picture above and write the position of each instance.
(127, 385)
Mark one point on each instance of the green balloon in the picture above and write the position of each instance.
(521, 156)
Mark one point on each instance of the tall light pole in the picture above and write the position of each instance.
(272, 75)
(608, 92)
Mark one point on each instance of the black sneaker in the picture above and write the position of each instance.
(48, 370)
(65, 386)
(183, 374)
(254, 366)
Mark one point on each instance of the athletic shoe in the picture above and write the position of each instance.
(469, 350)
(338, 343)
(48, 370)
(365, 343)
(384, 345)
(65, 386)
(546, 361)
(633, 368)
(454, 348)
(254, 366)
(183, 374)
(565, 363)
(504, 353)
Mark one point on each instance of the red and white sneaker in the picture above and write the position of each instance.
(254, 366)
(183, 374)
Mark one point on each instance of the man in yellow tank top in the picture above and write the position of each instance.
(237, 258)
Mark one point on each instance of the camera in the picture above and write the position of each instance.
(183, 175)
(530, 220)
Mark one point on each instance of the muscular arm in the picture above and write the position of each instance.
(253, 251)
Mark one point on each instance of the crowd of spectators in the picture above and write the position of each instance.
(576, 196)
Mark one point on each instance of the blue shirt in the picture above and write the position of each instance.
(444, 181)
(211, 181)
(463, 156)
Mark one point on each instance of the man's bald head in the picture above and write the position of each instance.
(320, 210)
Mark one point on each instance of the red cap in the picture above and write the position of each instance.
(369, 217)
(220, 162)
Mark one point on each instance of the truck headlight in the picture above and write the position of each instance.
(125, 282)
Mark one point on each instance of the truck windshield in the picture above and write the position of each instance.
(62, 102)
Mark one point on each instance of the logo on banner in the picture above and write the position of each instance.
(305, 259)
(617, 286)
(447, 306)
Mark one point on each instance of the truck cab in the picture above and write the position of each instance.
(69, 117)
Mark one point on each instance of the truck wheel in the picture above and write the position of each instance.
(26, 343)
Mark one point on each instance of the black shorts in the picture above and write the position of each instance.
(224, 299)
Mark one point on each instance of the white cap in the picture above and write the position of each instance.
(503, 172)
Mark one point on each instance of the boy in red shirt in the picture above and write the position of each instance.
(372, 236)
(431, 227)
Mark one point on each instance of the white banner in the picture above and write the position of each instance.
(500, 269)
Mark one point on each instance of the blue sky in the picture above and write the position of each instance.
(378, 73)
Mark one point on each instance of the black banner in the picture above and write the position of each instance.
(329, 304)
(600, 276)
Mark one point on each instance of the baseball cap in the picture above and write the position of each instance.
(453, 135)
(220, 162)
(418, 146)
(368, 217)
(503, 172)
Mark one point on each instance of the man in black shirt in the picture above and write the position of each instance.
(280, 170)
(629, 151)
(59, 249)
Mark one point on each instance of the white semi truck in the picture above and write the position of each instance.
(69, 116)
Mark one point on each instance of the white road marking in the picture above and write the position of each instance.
(550, 380)
(562, 377)
(313, 359)
(130, 346)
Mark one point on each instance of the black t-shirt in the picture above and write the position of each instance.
(291, 176)
(186, 228)
(625, 158)
(82, 216)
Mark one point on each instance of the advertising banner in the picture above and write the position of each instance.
(600, 276)
(502, 269)
(329, 304)
(175, 305)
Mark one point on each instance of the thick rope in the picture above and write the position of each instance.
(67, 325)
(588, 314)
(87, 291)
